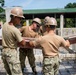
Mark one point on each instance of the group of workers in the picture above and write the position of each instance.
(12, 36)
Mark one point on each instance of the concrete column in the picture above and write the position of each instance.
(61, 24)
(7, 13)
(27, 22)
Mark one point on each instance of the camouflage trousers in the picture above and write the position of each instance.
(23, 52)
(50, 65)
(11, 61)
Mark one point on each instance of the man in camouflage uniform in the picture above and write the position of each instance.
(11, 36)
(50, 44)
(30, 32)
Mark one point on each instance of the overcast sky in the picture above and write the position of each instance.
(38, 4)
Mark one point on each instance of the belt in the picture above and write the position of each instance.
(8, 48)
(26, 48)
(50, 56)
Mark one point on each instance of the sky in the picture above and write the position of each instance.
(38, 4)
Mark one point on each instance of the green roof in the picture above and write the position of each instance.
(43, 11)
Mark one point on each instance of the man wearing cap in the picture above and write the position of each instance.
(29, 31)
(50, 44)
(11, 36)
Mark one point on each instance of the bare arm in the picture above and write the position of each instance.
(67, 44)
(22, 43)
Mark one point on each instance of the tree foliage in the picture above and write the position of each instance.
(70, 22)
(1, 9)
(70, 5)
(2, 2)
(2, 15)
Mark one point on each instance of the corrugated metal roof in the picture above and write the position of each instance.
(40, 11)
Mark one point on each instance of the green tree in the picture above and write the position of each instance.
(70, 22)
(1, 5)
(70, 5)
(1, 9)
(2, 2)
(2, 15)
